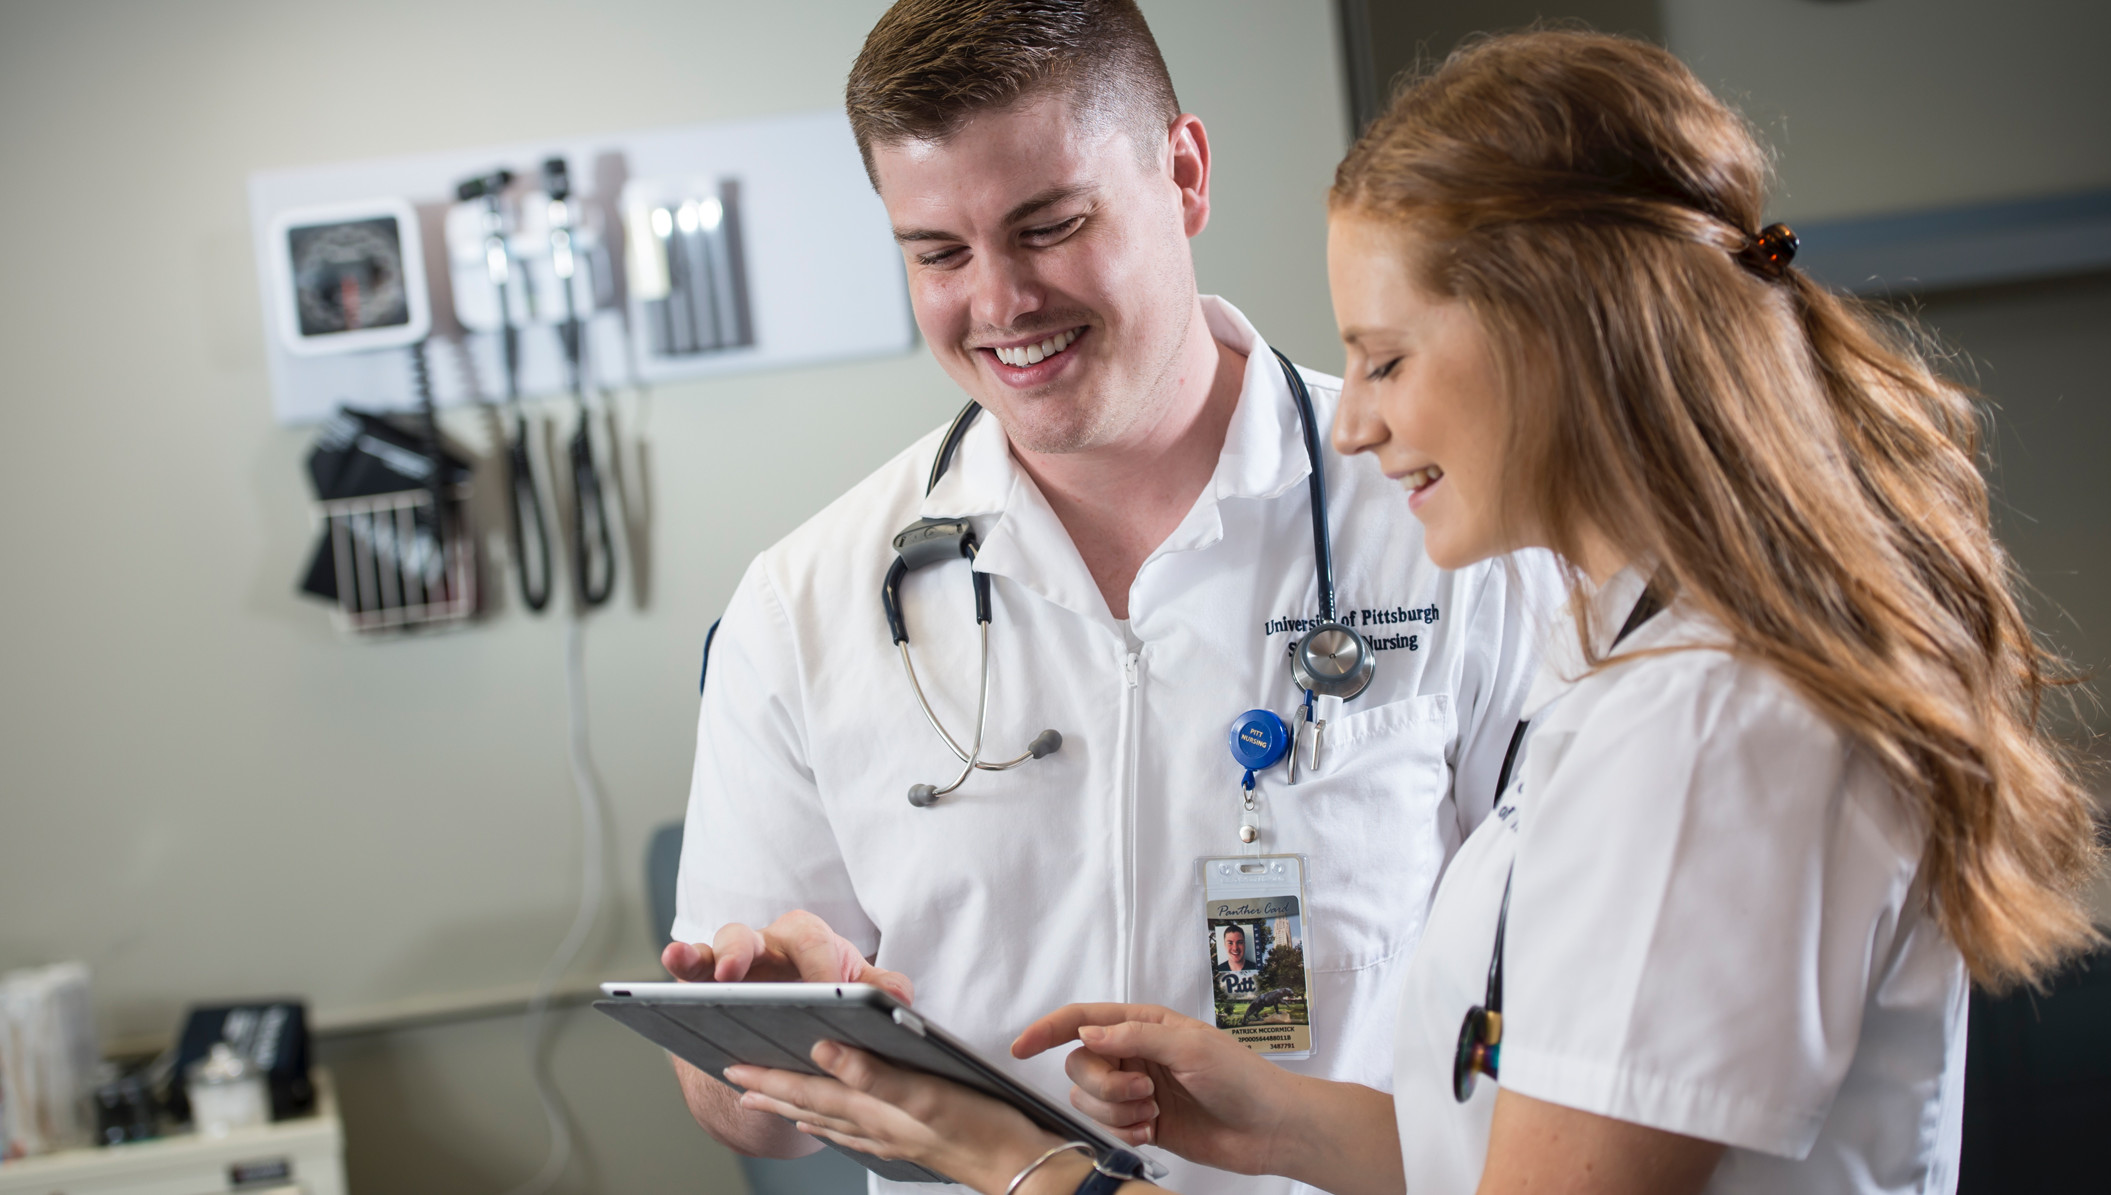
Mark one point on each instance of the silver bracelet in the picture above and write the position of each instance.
(1034, 1165)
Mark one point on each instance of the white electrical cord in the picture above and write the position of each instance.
(591, 806)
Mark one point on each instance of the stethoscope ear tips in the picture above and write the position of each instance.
(923, 796)
(1045, 744)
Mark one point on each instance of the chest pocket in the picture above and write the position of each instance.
(1370, 825)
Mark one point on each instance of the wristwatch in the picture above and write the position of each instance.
(1109, 1174)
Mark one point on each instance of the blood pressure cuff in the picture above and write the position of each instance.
(359, 454)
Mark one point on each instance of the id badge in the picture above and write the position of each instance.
(1254, 911)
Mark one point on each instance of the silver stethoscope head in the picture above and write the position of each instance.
(1333, 661)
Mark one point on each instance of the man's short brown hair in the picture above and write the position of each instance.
(929, 65)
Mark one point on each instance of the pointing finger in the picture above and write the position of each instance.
(1102, 1078)
(1063, 1024)
(1168, 1045)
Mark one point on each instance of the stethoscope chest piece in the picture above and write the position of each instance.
(1480, 1051)
(1333, 661)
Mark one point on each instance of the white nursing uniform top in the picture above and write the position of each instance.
(1716, 928)
(1074, 877)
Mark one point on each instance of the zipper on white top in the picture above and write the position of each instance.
(1132, 719)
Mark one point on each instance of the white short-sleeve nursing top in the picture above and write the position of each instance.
(1715, 929)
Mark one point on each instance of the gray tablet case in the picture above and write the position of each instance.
(776, 1025)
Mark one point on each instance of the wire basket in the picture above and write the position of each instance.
(392, 572)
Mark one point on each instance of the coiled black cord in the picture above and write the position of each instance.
(589, 505)
(436, 462)
(526, 508)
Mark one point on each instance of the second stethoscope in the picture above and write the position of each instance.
(1331, 660)
(1480, 1048)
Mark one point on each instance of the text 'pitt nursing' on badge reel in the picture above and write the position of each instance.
(1259, 740)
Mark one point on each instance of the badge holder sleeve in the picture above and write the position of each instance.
(1267, 1006)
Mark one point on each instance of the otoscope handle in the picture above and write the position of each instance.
(586, 492)
(526, 508)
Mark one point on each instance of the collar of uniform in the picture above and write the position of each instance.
(1264, 451)
(1561, 663)
(981, 477)
(1022, 539)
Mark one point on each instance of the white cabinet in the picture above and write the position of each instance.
(290, 1157)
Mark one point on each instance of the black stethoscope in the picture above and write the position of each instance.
(1480, 1049)
(1331, 660)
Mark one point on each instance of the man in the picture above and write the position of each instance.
(1138, 488)
(1234, 949)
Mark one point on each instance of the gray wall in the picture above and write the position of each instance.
(1890, 106)
(1886, 105)
(208, 793)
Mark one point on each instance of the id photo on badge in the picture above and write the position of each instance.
(1257, 965)
(1259, 959)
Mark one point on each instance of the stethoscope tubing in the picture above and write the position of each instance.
(982, 709)
(1322, 533)
(931, 715)
(526, 507)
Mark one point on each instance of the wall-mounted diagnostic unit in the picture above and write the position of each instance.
(349, 277)
(685, 253)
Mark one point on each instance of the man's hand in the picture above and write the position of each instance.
(796, 947)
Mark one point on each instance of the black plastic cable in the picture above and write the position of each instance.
(526, 507)
(526, 504)
(586, 492)
(436, 480)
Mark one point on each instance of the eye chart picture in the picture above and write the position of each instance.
(1257, 954)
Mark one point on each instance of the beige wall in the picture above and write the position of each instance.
(204, 791)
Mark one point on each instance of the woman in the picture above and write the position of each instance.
(1783, 794)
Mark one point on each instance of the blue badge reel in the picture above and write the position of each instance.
(1259, 740)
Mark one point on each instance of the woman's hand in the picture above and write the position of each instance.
(896, 1114)
(1153, 1076)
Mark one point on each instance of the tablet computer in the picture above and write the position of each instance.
(714, 1025)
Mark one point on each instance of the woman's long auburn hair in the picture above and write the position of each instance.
(1788, 459)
